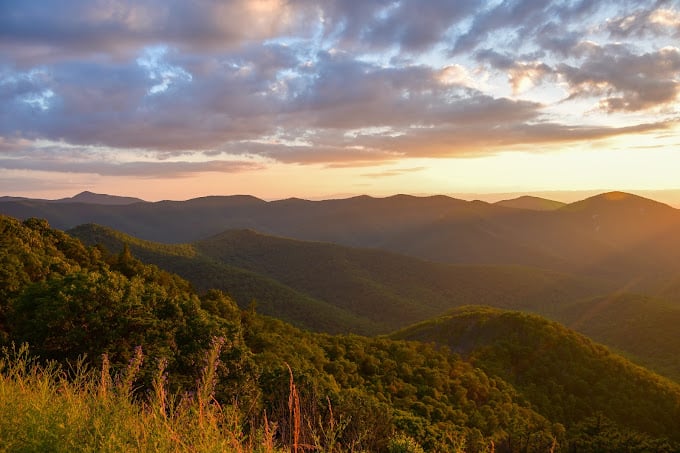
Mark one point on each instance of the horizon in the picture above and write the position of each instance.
(307, 99)
(670, 197)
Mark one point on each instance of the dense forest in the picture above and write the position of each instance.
(486, 380)
(336, 289)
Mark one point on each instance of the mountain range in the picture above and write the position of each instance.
(627, 239)
(332, 288)
(608, 265)
(383, 289)
(84, 197)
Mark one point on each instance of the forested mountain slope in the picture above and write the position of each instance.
(330, 288)
(644, 328)
(541, 386)
(66, 300)
(564, 375)
(384, 289)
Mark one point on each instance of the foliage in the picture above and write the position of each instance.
(643, 328)
(427, 393)
(336, 289)
(404, 444)
(564, 375)
(331, 288)
(268, 385)
(71, 301)
(598, 434)
(244, 286)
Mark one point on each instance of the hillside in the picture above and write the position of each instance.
(564, 375)
(330, 288)
(245, 287)
(643, 328)
(387, 286)
(385, 290)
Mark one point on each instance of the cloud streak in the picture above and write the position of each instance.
(137, 169)
(393, 172)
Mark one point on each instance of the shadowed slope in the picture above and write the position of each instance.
(384, 290)
(331, 288)
(270, 297)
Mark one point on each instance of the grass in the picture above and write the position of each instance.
(46, 407)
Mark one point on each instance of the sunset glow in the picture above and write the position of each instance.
(174, 100)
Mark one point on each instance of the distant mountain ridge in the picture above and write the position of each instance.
(83, 197)
(613, 236)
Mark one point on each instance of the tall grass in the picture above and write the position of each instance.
(49, 407)
(46, 407)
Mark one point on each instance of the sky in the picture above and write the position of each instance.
(171, 99)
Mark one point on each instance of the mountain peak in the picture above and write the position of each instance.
(531, 203)
(617, 196)
(617, 200)
(98, 198)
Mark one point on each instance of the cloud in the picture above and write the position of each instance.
(625, 81)
(348, 93)
(328, 148)
(520, 20)
(137, 169)
(522, 75)
(113, 103)
(60, 157)
(656, 21)
(393, 172)
(9, 145)
(377, 25)
(414, 25)
(47, 31)
(338, 82)
(240, 103)
(480, 139)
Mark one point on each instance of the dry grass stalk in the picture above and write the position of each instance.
(294, 411)
(128, 378)
(105, 379)
(206, 386)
